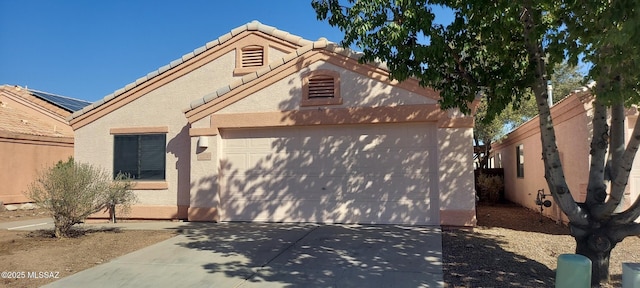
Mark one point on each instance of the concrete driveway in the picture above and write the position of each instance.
(277, 255)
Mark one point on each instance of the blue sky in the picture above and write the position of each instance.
(88, 49)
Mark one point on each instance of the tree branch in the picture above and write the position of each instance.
(628, 215)
(597, 189)
(616, 152)
(616, 145)
(620, 182)
(460, 68)
(553, 167)
(631, 229)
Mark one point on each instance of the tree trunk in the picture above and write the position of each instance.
(590, 242)
(597, 188)
(61, 228)
(58, 232)
(112, 213)
(596, 246)
(554, 174)
(484, 161)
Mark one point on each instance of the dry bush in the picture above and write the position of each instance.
(72, 191)
(120, 197)
(490, 187)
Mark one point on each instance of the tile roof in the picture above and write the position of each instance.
(251, 26)
(22, 112)
(322, 43)
(16, 121)
(28, 96)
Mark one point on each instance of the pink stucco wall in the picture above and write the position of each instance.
(572, 122)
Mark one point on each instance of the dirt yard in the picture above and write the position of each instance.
(35, 258)
(511, 247)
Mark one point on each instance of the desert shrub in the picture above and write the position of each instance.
(490, 187)
(71, 192)
(120, 197)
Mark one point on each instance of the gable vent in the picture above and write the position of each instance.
(252, 56)
(321, 86)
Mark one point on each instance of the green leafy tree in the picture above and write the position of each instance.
(565, 79)
(502, 49)
(486, 131)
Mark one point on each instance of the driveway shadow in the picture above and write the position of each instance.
(311, 255)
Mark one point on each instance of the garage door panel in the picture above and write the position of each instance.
(393, 188)
(281, 187)
(238, 161)
(315, 173)
(375, 212)
(293, 187)
(386, 162)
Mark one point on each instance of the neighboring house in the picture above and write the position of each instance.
(520, 154)
(262, 125)
(34, 134)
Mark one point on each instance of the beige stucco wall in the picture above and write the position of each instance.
(356, 90)
(163, 107)
(453, 189)
(455, 176)
(275, 54)
(204, 199)
(23, 158)
(160, 107)
(192, 171)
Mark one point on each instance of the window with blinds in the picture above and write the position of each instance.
(142, 157)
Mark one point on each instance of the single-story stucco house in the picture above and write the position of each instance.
(262, 125)
(519, 154)
(34, 135)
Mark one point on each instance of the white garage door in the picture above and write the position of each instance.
(383, 173)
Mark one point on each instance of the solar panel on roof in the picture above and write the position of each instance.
(69, 104)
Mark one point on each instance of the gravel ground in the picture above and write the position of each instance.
(514, 247)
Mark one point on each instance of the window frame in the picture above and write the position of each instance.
(144, 183)
(321, 101)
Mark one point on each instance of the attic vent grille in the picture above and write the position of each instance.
(321, 86)
(252, 56)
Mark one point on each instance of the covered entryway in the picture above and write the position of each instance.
(368, 173)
